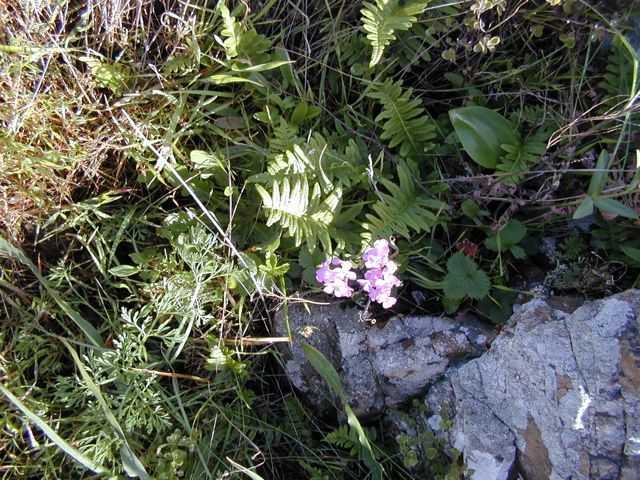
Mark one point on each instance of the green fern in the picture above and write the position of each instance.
(315, 158)
(244, 46)
(301, 210)
(519, 159)
(284, 137)
(232, 31)
(618, 77)
(404, 209)
(405, 125)
(347, 438)
(383, 19)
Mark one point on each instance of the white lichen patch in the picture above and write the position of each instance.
(585, 401)
(632, 446)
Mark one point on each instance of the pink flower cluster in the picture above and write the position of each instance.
(336, 280)
(379, 279)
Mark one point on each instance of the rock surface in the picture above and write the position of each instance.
(557, 395)
(379, 366)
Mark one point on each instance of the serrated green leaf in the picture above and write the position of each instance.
(464, 279)
(518, 252)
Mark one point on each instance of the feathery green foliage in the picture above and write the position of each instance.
(382, 19)
(301, 210)
(405, 208)
(405, 124)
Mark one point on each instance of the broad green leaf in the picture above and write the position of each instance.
(481, 132)
(584, 209)
(507, 237)
(89, 330)
(123, 271)
(61, 443)
(599, 177)
(631, 252)
(609, 205)
(299, 113)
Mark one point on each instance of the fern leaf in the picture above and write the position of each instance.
(403, 209)
(301, 210)
(383, 19)
(405, 125)
(232, 31)
(617, 81)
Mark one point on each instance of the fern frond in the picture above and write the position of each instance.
(243, 45)
(617, 80)
(314, 159)
(301, 210)
(403, 209)
(405, 124)
(523, 158)
(347, 438)
(381, 20)
(285, 136)
(232, 31)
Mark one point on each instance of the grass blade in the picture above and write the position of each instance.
(326, 370)
(250, 473)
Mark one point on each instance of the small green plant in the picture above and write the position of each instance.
(464, 279)
(506, 239)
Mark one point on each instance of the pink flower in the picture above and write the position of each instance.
(378, 255)
(379, 283)
(379, 279)
(336, 280)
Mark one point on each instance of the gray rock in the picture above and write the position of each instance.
(557, 395)
(379, 366)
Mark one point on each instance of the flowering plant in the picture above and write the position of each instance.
(379, 279)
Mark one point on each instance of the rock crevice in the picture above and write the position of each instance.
(379, 366)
